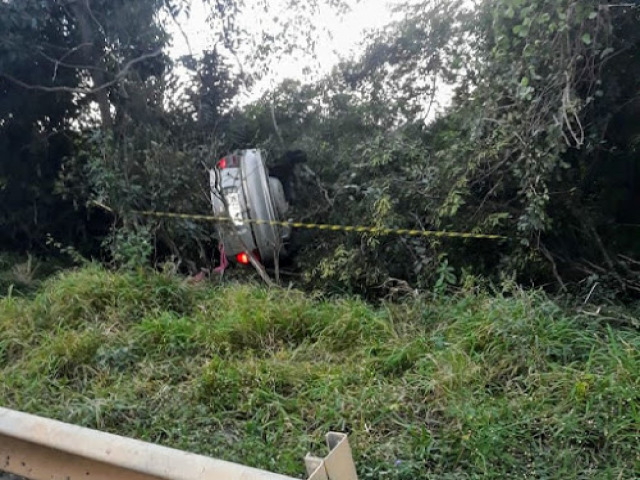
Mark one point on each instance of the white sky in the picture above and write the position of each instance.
(342, 39)
(346, 33)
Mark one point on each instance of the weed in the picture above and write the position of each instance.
(24, 273)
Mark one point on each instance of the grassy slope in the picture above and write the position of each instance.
(462, 387)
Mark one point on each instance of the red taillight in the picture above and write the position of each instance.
(243, 258)
(230, 161)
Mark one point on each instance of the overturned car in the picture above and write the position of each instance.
(256, 202)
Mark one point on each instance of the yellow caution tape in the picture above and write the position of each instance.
(321, 226)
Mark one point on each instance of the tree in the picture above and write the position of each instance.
(34, 135)
(522, 151)
(56, 59)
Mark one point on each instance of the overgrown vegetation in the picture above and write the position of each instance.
(479, 384)
(539, 142)
(446, 376)
(536, 145)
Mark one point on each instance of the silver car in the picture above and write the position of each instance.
(242, 190)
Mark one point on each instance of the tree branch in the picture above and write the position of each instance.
(84, 91)
(61, 63)
(275, 123)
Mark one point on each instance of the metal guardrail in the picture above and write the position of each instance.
(41, 449)
(338, 465)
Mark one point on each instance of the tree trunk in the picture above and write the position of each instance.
(92, 54)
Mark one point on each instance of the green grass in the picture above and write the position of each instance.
(470, 386)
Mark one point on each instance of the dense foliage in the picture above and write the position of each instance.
(539, 142)
(466, 374)
(492, 385)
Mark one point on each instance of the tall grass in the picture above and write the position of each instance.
(470, 386)
(23, 274)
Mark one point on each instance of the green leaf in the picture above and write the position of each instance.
(521, 30)
(524, 82)
(593, 15)
(586, 39)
